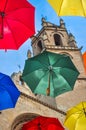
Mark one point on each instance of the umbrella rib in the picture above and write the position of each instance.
(79, 112)
(82, 109)
(47, 55)
(42, 63)
(60, 8)
(53, 78)
(5, 5)
(35, 70)
(73, 67)
(78, 108)
(69, 70)
(59, 60)
(83, 8)
(61, 76)
(42, 77)
(45, 62)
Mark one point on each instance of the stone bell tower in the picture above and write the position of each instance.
(53, 37)
(57, 39)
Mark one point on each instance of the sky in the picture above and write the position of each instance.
(14, 60)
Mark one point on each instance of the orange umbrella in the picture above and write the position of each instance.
(84, 60)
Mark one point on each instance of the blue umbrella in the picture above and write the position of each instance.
(8, 92)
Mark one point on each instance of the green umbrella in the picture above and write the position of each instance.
(50, 74)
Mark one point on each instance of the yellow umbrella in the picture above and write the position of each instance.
(76, 117)
(69, 7)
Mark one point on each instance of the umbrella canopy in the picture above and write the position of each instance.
(43, 123)
(50, 74)
(16, 23)
(69, 7)
(76, 117)
(8, 92)
(84, 60)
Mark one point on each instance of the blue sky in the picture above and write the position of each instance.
(10, 60)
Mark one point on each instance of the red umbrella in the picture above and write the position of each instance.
(43, 123)
(16, 23)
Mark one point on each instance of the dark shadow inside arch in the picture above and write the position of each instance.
(57, 40)
(21, 119)
(40, 44)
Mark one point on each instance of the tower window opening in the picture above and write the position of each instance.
(57, 39)
(40, 45)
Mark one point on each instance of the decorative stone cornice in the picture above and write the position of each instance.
(62, 48)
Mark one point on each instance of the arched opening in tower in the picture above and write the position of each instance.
(40, 45)
(57, 39)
